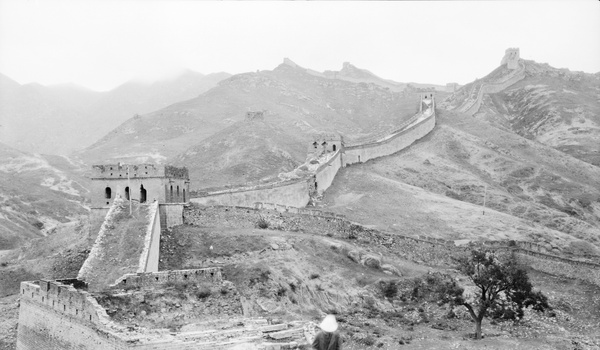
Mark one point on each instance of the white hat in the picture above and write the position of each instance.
(329, 324)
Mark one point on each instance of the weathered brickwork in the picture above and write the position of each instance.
(171, 214)
(142, 280)
(297, 192)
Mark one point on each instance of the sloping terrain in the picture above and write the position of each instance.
(305, 103)
(532, 191)
(300, 275)
(556, 107)
(246, 151)
(36, 194)
(58, 119)
(118, 246)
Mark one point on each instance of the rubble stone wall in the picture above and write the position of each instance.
(421, 249)
(139, 280)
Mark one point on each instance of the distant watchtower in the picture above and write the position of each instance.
(325, 142)
(139, 182)
(511, 58)
(427, 97)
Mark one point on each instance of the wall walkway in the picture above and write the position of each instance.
(297, 192)
(471, 106)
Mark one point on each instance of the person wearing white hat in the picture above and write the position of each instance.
(328, 338)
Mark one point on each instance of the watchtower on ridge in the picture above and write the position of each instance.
(511, 58)
(139, 182)
(427, 97)
(325, 142)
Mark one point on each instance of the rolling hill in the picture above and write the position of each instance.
(556, 107)
(58, 119)
(37, 193)
(296, 101)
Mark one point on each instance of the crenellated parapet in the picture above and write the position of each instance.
(139, 182)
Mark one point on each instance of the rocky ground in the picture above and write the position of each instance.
(300, 275)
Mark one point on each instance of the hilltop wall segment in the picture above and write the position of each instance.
(298, 192)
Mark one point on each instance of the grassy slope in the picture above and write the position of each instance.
(533, 190)
(305, 104)
(245, 151)
(37, 192)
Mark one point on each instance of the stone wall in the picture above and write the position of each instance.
(150, 254)
(421, 249)
(296, 193)
(96, 251)
(57, 316)
(171, 214)
(291, 193)
(327, 171)
(142, 280)
(555, 265)
(492, 89)
(398, 142)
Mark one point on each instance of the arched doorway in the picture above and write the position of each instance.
(127, 193)
(107, 192)
(142, 194)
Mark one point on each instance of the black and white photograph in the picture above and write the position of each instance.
(317, 175)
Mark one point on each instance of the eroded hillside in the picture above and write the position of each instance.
(437, 186)
(556, 107)
(37, 193)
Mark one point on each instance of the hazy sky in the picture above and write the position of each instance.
(102, 44)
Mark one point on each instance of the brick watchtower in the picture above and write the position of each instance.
(139, 182)
(511, 58)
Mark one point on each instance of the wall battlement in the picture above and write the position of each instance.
(297, 192)
(63, 299)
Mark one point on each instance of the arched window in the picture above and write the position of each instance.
(177, 191)
(184, 195)
(171, 197)
(127, 193)
(142, 194)
(107, 192)
(334, 148)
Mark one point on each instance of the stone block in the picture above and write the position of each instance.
(371, 261)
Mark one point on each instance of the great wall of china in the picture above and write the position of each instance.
(63, 315)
